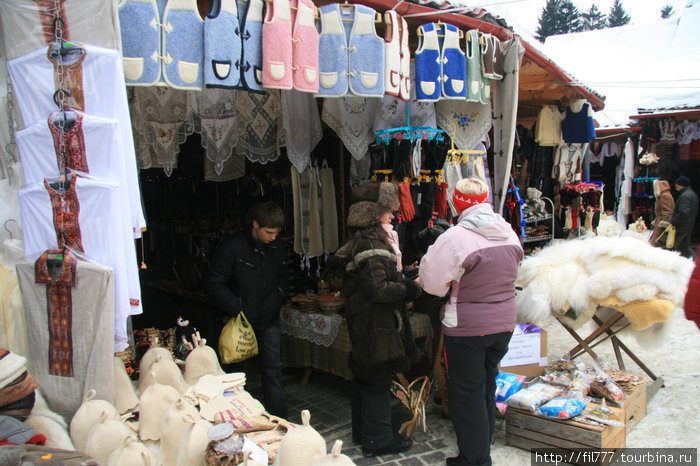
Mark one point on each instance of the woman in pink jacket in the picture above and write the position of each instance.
(474, 264)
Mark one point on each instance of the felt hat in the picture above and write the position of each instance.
(12, 365)
(193, 442)
(154, 400)
(201, 360)
(469, 192)
(150, 357)
(132, 453)
(106, 437)
(364, 214)
(335, 458)
(21, 387)
(165, 371)
(125, 398)
(176, 420)
(88, 414)
(302, 445)
(683, 181)
(384, 193)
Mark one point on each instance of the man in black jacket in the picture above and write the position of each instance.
(684, 215)
(248, 274)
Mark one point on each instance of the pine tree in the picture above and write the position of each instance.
(666, 11)
(593, 19)
(558, 17)
(617, 16)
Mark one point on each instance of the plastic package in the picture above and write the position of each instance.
(508, 384)
(606, 387)
(603, 415)
(562, 408)
(531, 398)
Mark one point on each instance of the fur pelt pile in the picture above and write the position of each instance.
(570, 279)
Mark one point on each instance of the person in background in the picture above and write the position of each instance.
(692, 296)
(663, 210)
(684, 215)
(382, 343)
(248, 273)
(475, 264)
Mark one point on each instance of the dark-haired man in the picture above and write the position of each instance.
(684, 215)
(247, 273)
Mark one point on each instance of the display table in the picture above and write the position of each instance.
(301, 348)
(603, 332)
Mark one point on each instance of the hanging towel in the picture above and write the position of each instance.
(314, 234)
(329, 210)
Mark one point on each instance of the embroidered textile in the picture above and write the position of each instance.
(48, 19)
(216, 110)
(162, 119)
(68, 68)
(469, 121)
(74, 144)
(351, 118)
(260, 125)
(391, 111)
(66, 210)
(302, 125)
(59, 310)
(317, 328)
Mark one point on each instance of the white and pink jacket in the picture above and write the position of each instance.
(290, 46)
(476, 262)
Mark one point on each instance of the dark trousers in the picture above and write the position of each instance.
(682, 244)
(270, 359)
(371, 412)
(472, 366)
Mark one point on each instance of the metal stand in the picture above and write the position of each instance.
(605, 332)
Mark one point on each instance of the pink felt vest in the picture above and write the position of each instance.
(305, 47)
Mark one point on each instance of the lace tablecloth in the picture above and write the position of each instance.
(318, 328)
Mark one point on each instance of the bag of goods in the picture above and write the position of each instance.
(562, 408)
(508, 384)
(532, 397)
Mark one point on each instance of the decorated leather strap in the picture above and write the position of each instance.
(59, 309)
(48, 17)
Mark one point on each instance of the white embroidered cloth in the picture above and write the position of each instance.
(302, 126)
(391, 111)
(216, 109)
(466, 122)
(321, 329)
(260, 127)
(352, 118)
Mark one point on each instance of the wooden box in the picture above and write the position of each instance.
(635, 406)
(527, 430)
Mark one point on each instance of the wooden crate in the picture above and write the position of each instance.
(634, 406)
(527, 430)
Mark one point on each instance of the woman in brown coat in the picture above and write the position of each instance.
(663, 210)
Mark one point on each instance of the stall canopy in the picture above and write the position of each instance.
(642, 69)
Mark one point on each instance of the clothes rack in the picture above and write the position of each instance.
(382, 136)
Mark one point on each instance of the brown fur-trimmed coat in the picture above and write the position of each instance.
(663, 210)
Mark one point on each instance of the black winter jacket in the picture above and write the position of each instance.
(380, 331)
(686, 210)
(250, 276)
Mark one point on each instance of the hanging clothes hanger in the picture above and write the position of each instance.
(7, 229)
(346, 5)
(439, 23)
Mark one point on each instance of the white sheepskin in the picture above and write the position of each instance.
(575, 275)
(51, 424)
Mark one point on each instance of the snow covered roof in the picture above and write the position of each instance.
(637, 67)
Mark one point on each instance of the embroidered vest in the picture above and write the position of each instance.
(222, 45)
(397, 57)
(176, 24)
(290, 46)
(250, 18)
(473, 59)
(440, 65)
(351, 55)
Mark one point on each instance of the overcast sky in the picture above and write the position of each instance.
(526, 13)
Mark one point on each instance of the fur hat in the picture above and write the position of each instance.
(683, 181)
(364, 214)
(21, 387)
(384, 193)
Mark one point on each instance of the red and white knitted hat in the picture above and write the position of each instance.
(470, 192)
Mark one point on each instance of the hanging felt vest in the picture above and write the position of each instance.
(290, 46)
(578, 127)
(440, 63)
(222, 45)
(351, 55)
(250, 23)
(487, 52)
(473, 60)
(176, 24)
(397, 57)
(497, 58)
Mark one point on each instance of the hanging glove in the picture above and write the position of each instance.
(427, 201)
(407, 208)
(441, 200)
(402, 160)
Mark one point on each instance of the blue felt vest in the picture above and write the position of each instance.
(440, 65)
(358, 67)
(578, 127)
(250, 20)
(155, 51)
(222, 45)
